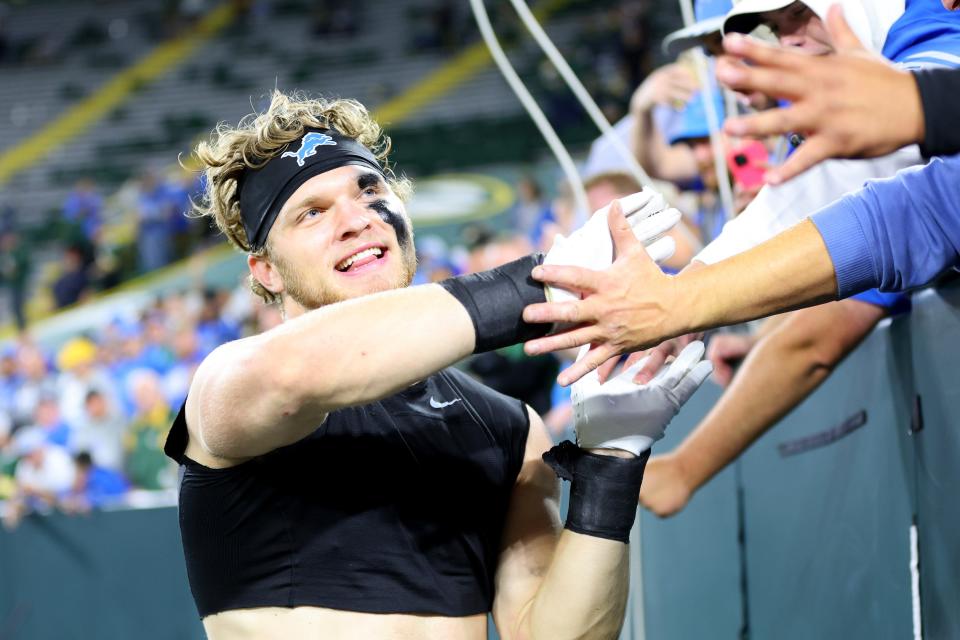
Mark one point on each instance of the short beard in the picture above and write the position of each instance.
(313, 296)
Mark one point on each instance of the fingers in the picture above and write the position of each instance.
(662, 249)
(566, 277)
(840, 32)
(657, 356)
(635, 202)
(685, 362)
(555, 312)
(621, 231)
(652, 227)
(559, 341)
(814, 150)
(766, 123)
(722, 372)
(761, 53)
(604, 370)
(593, 359)
(633, 365)
(689, 384)
(772, 81)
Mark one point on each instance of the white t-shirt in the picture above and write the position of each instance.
(55, 474)
(779, 207)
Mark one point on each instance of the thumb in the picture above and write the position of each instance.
(841, 33)
(620, 230)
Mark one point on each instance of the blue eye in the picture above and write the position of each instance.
(311, 213)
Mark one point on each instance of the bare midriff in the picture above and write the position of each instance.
(308, 623)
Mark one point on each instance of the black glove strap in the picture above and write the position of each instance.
(603, 490)
(495, 300)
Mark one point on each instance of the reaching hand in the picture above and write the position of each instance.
(665, 490)
(624, 415)
(591, 246)
(850, 104)
(726, 351)
(626, 307)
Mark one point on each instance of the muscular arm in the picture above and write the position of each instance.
(266, 391)
(785, 367)
(571, 586)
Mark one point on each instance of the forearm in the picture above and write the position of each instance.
(789, 271)
(897, 233)
(660, 160)
(584, 593)
(776, 376)
(368, 348)
(781, 372)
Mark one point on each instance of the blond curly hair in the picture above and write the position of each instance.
(260, 137)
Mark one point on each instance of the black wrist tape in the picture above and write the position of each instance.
(603, 490)
(495, 300)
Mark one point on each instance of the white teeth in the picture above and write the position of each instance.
(346, 264)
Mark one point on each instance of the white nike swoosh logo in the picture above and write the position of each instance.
(441, 405)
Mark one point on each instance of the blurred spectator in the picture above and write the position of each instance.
(532, 210)
(48, 422)
(79, 374)
(83, 209)
(74, 282)
(664, 93)
(153, 215)
(147, 466)
(15, 267)
(187, 357)
(93, 486)
(37, 382)
(44, 472)
(100, 431)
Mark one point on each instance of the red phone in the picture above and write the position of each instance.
(748, 163)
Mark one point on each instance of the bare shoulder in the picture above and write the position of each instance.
(210, 412)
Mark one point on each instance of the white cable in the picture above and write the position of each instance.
(510, 75)
(713, 119)
(579, 91)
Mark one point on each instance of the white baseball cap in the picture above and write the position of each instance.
(744, 17)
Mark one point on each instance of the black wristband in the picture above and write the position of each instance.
(495, 300)
(939, 90)
(603, 490)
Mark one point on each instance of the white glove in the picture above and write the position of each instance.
(591, 246)
(621, 414)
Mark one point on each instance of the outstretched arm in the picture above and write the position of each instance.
(576, 586)
(782, 370)
(254, 395)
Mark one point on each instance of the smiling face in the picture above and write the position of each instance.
(797, 26)
(342, 234)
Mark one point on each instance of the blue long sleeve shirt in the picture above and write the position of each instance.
(898, 233)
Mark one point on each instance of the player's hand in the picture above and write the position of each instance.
(726, 351)
(665, 490)
(626, 308)
(849, 104)
(591, 246)
(624, 415)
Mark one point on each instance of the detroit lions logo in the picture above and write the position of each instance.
(308, 146)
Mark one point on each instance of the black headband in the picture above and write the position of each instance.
(264, 191)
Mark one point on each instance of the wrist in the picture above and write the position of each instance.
(613, 453)
(914, 126)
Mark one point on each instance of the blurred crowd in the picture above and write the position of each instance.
(84, 426)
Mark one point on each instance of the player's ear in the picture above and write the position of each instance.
(265, 273)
